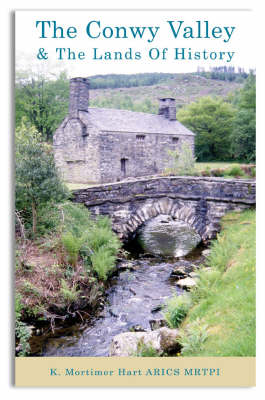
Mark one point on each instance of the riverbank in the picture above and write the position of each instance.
(62, 274)
(56, 284)
(221, 321)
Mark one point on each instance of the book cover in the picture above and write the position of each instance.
(135, 198)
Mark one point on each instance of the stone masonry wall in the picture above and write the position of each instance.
(76, 151)
(201, 202)
(83, 154)
(143, 154)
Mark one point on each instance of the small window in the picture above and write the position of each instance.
(84, 131)
(140, 138)
(124, 162)
(175, 139)
(74, 162)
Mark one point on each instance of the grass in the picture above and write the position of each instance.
(227, 169)
(176, 309)
(77, 186)
(201, 166)
(225, 307)
(144, 350)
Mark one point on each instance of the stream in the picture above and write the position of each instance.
(136, 293)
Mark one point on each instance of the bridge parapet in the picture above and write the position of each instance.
(201, 202)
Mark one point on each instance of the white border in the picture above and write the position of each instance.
(7, 48)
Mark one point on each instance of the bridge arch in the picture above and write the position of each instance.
(164, 206)
(200, 202)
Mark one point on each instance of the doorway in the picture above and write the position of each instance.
(124, 162)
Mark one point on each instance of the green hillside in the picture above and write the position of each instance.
(184, 87)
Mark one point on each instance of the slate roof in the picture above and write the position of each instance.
(111, 120)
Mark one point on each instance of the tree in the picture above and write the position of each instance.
(182, 162)
(37, 181)
(244, 126)
(43, 101)
(211, 119)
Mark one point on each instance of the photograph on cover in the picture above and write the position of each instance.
(134, 184)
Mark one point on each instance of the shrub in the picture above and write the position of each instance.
(95, 292)
(217, 172)
(253, 172)
(207, 282)
(176, 309)
(100, 241)
(18, 306)
(91, 239)
(182, 161)
(69, 295)
(235, 171)
(222, 251)
(49, 219)
(144, 350)
(207, 171)
(103, 262)
(37, 179)
(193, 337)
(102, 236)
(76, 218)
(72, 245)
(104, 222)
(22, 331)
(29, 289)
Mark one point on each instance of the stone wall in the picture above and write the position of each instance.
(79, 96)
(142, 154)
(83, 154)
(201, 202)
(76, 151)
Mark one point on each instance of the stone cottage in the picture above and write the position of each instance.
(97, 145)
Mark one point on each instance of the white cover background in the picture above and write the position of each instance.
(6, 148)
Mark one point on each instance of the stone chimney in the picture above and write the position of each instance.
(167, 107)
(79, 96)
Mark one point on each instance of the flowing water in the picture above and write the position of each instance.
(134, 299)
(164, 235)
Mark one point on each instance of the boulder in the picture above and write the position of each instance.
(179, 272)
(165, 219)
(186, 283)
(157, 308)
(193, 275)
(127, 265)
(127, 344)
(137, 328)
(206, 252)
(157, 323)
(168, 340)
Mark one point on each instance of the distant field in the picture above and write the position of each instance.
(76, 186)
(201, 166)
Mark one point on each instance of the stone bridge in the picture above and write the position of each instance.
(200, 202)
